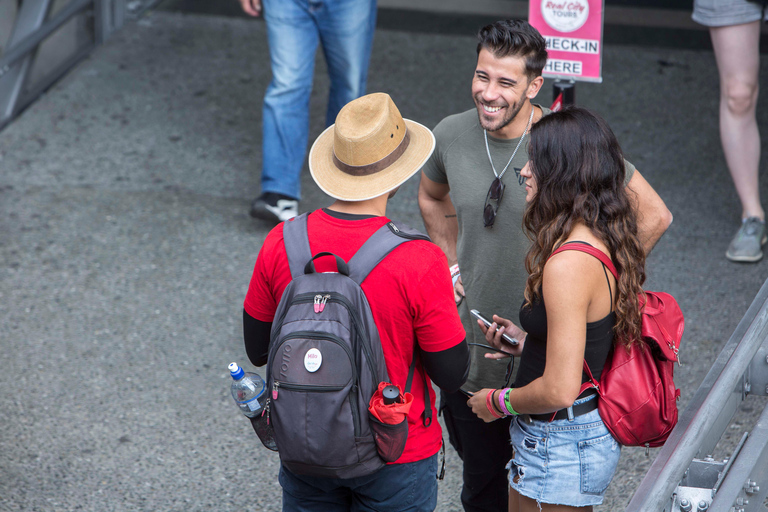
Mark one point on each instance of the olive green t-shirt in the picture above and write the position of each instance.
(491, 260)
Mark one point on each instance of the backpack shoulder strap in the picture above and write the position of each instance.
(593, 251)
(378, 246)
(296, 241)
(426, 416)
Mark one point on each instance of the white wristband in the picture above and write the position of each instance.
(455, 273)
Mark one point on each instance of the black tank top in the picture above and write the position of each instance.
(533, 320)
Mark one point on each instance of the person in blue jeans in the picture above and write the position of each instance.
(294, 28)
(361, 165)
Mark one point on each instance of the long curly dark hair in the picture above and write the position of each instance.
(579, 171)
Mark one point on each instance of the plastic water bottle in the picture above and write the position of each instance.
(248, 391)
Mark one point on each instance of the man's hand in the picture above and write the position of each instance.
(494, 338)
(479, 406)
(458, 290)
(251, 7)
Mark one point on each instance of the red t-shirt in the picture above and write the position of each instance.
(410, 294)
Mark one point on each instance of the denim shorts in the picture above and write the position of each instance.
(563, 462)
(723, 13)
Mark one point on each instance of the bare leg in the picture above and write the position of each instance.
(514, 500)
(738, 62)
(518, 503)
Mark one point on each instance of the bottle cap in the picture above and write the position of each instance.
(391, 395)
(235, 371)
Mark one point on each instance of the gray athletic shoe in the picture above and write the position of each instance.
(746, 245)
(274, 207)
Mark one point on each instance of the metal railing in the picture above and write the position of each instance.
(684, 476)
(30, 29)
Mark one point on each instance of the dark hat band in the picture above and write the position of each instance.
(368, 169)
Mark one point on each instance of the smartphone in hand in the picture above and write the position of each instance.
(512, 341)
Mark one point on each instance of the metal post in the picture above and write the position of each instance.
(30, 29)
(118, 15)
(740, 490)
(109, 16)
(566, 88)
(708, 413)
(30, 17)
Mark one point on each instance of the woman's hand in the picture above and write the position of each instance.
(479, 406)
(495, 339)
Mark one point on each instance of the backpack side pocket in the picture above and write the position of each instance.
(390, 439)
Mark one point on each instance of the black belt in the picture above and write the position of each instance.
(577, 410)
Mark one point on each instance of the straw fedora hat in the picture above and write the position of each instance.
(370, 151)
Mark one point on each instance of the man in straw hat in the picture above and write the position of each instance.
(361, 161)
(478, 158)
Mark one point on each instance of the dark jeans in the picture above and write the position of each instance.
(408, 487)
(485, 450)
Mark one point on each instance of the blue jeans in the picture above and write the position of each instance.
(410, 487)
(294, 29)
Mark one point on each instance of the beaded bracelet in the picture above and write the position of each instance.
(489, 404)
(507, 405)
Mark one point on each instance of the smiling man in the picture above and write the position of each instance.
(472, 199)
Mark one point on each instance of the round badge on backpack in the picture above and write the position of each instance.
(312, 360)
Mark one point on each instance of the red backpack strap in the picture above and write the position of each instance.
(605, 260)
(597, 253)
(591, 383)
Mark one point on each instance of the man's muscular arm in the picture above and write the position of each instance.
(653, 217)
(439, 216)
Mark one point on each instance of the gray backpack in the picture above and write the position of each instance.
(325, 358)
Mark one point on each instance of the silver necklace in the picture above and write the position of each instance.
(487, 149)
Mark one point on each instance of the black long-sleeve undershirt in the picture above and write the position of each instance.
(447, 368)
(256, 335)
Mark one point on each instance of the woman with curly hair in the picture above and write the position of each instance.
(564, 457)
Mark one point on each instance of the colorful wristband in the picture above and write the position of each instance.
(502, 407)
(489, 404)
(507, 405)
(455, 273)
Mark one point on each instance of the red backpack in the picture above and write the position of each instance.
(636, 393)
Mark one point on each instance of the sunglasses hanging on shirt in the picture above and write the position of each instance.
(492, 201)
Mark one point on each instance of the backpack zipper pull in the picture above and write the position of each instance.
(320, 301)
(274, 390)
(647, 450)
(394, 228)
(676, 352)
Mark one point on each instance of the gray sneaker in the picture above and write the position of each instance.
(746, 245)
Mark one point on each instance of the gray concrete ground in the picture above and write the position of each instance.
(126, 250)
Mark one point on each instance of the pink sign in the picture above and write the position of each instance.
(573, 30)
